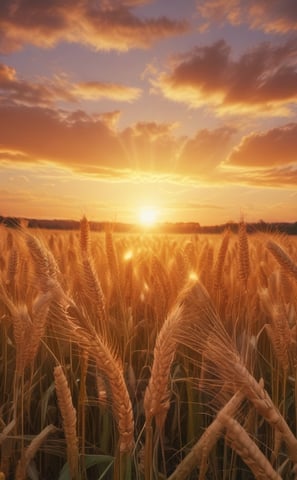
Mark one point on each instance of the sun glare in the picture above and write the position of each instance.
(148, 216)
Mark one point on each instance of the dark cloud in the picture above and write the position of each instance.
(264, 79)
(103, 25)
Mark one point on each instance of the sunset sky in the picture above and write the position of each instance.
(186, 106)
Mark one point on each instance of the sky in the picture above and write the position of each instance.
(187, 107)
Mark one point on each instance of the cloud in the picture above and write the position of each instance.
(151, 147)
(102, 25)
(267, 15)
(76, 140)
(41, 204)
(194, 206)
(207, 150)
(8, 197)
(113, 91)
(152, 130)
(279, 177)
(262, 80)
(266, 159)
(46, 92)
(92, 145)
(42, 92)
(276, 147)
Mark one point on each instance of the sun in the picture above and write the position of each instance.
(148, 216)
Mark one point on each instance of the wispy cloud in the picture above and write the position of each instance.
(280, 177)
(103, 25)
(41, 92)
(113, 91)
(267, 15)
(46, 92)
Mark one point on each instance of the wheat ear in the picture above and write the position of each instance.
(209, 337)
(84, 236)
(278, 329)
(244, 446)
(31, 450)
(68, 413)
(200, 451)
(109, 365)
(265, 406)
(93, 291)
(218, 269)
(46, 268)
(40, 309)
(28, 329)
(13, 262)
(283, 258)
(21, 322)
(156, 398)
(111, 254)
(244, 261)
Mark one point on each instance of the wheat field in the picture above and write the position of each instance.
(143, 357)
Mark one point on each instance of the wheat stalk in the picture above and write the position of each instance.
(6, 431)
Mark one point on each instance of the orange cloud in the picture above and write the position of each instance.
(264, 79)
(152, 130)
(76, 140)
(45, 92)
(276, 147)
(103, 25)
(280, 177)
(91, 145)
(267, 15)
(207, 150)
(151, 147)
(113, 91)
(7, 74)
